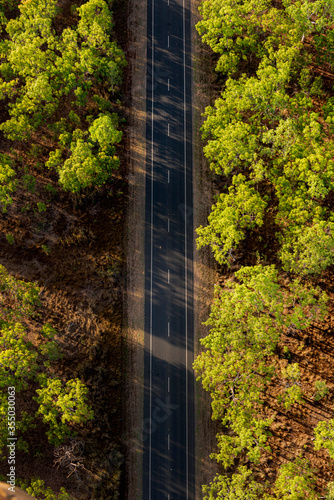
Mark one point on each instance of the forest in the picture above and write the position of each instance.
(267, 360)
(61, 278)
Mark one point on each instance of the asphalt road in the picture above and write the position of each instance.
(168, 432)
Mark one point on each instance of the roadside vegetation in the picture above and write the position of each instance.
(61, 223)
(269, 142)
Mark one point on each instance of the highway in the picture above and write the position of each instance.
(168, 425)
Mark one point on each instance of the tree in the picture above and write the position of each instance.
(18, 363)
(239, 486)
(324, 436)
(240, 209)
(246, 321)
(7, 182)
(295, 481)
(18, 298)
(62, 407)
(104, 132)
(321, 389)
(309, 250)
(292, 392)
(38, 490)
(41, 67)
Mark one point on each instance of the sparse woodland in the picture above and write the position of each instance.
(268, 137)
(61, 221)
(268, 358)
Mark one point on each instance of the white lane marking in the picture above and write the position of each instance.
(151, 277)
(168, 225)
(185, 244)
(168, 176)
(168, 129)
(168, 442)
(168, 496)
(168, 276)
(168, 84)
(168, 384)
(168, 329)
(168, 40)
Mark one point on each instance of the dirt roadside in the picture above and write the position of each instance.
(135, 247)
(204, 268)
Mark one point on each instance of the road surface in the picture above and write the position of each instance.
(168, 427)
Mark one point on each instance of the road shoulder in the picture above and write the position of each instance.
(204, 268)
(135, 246)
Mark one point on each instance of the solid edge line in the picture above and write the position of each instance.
(151, 291)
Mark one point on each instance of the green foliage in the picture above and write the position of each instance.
(246, 320)
(18, 298)
(62, 407)
(29, 182)
(41, 206)
(104, 132)
(324, 436)
(292, 392)
(85, 168)
(50, 350)
(10, 238)
(321, 389)
(37, 489)
(330, 489)
(275, 139)
(266, 133)
(17, 361)
(7, 182)
(295, 481)
(41, 67)
(309, 250)
(240, 209)
(82, 169)
(240, 486)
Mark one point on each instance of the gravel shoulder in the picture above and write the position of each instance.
(132, 439)
(204, 267)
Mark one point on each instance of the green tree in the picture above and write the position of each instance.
(7, 182)
(62, 407)
(239, 486)
(18, 298)
(295, 481)
(308, 250)
(240, 209)
(246, 321)
(38, 490)
(324, 436)
(321, 389)
(41, 67)
(292, 392)
(18, 363)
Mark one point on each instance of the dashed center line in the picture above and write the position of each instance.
(168, 443)
(168, 329)
(168, 226)
(168, 276)
(168, 176)
(168, 40)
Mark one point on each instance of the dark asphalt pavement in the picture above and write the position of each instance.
(168, 466)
